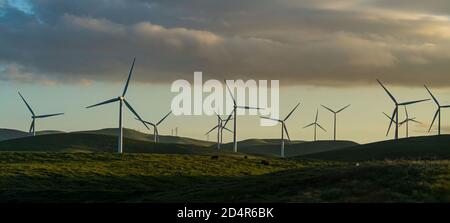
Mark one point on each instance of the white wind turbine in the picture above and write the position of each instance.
(34, 116)
(235, 107)
(121, 99)
(315, 123)
(395, 112)
(438, 112)
(155, 126)
(335, 114)
(220, 127)
(283, 128)
(406, 122)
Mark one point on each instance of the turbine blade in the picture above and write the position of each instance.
(290, 113)
(26, 103)
(231, 94)
(309, 125)
(434, 98)
(287, 133)
(149, 123)
(128, 80)
(445, 106)
(215, 127)
(392, 121)
(434, 118)
(329, 109)
(317, 115)
(342, 109)
(413, 102)
(227, 129)
(31, 126)
(248, 107)
(135, 113)
(49, 115)
(228, 119)
(105, 102)
(277, 120)
(406, 112)
(389, 117)
(321, 127)
(412, 120)
(389, 93)
(164, 118)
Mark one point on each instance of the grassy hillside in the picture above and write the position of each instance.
(136, 135)
(6, 134)
(294, 148)
(423, 147)
(84, 142)
(106, 177)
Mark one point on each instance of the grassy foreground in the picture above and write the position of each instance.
(107, 177)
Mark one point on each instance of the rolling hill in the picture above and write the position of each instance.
(423, 147)
(6, 134)
(88, 142)
(294, 148)
(136, 135)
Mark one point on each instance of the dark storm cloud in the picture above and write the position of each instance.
(300, 42)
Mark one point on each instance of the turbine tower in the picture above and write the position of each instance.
(155, 126)
(220, 127)
(315, 123)
(395, 112)
(335, 114)
(121, 99)
(34, 116)
(406, 122)
(438, 112)
(283, 128)
(235, 107)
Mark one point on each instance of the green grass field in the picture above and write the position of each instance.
(106, 177)
(81, 167)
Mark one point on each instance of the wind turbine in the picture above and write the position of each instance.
(315, 123)
(335, 113)
(235, 107)
(406, 121)
(283, 128)
(34, 116)
(220, 127)
(121, 99)
(155, 126)
(395, 112)
(438, 112)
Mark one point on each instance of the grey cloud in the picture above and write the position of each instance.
(299, 42)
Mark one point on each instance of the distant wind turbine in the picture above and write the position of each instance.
(34, 116)
(335, 113)
(406, 122)
(121, 99)
(438, 112)
(220, 127)
(155, 126)
(315, 123)
(283, 128)
(395, 112)
(235, 107)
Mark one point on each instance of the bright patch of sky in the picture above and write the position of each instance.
(24, 6)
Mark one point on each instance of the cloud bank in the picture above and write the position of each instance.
(336, 43)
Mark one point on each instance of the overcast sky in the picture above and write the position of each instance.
(340, 45)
